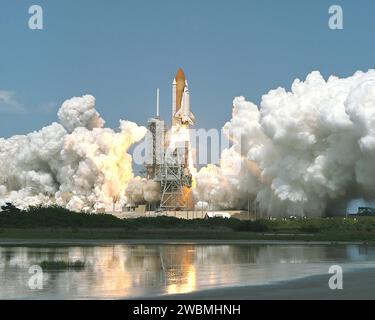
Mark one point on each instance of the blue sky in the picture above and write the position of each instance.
(121, 51)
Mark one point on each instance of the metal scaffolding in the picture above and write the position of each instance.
(174, 176)
(166, 166)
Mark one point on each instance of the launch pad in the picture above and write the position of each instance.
(168, 151)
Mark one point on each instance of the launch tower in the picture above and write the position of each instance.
(168, 162)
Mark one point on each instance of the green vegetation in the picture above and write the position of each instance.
(54, 217)
(62, 265)
(60, 223)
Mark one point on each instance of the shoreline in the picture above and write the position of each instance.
(77, 242)
(358, 284)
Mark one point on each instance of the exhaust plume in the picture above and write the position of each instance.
(304, 152)
(76, 163)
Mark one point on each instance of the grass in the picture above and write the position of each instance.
(180, 234)
(60, 223)
(62, 265)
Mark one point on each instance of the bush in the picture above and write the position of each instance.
(62, 265)
(56, 217)
(10, 208)
(309, 228)
(252, 226)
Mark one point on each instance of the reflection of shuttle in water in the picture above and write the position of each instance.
(181, 113)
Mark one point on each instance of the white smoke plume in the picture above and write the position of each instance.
(76, 163)
(151, 191)
(306, 152)
(134, 190)
(140, 190)
(80, 112)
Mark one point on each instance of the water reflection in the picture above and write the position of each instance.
(122, 271)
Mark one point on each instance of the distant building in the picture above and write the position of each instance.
(364, 212)
(210, 215)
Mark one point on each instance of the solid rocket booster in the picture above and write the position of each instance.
(181, 113)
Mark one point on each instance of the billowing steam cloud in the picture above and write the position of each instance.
(140, 190)
(305, 152)
(75, 163)
(80, 112)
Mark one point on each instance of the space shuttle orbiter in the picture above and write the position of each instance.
(181, 113)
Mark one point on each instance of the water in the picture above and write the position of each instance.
(130, 271)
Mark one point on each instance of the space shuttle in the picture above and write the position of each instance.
(181, 114)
